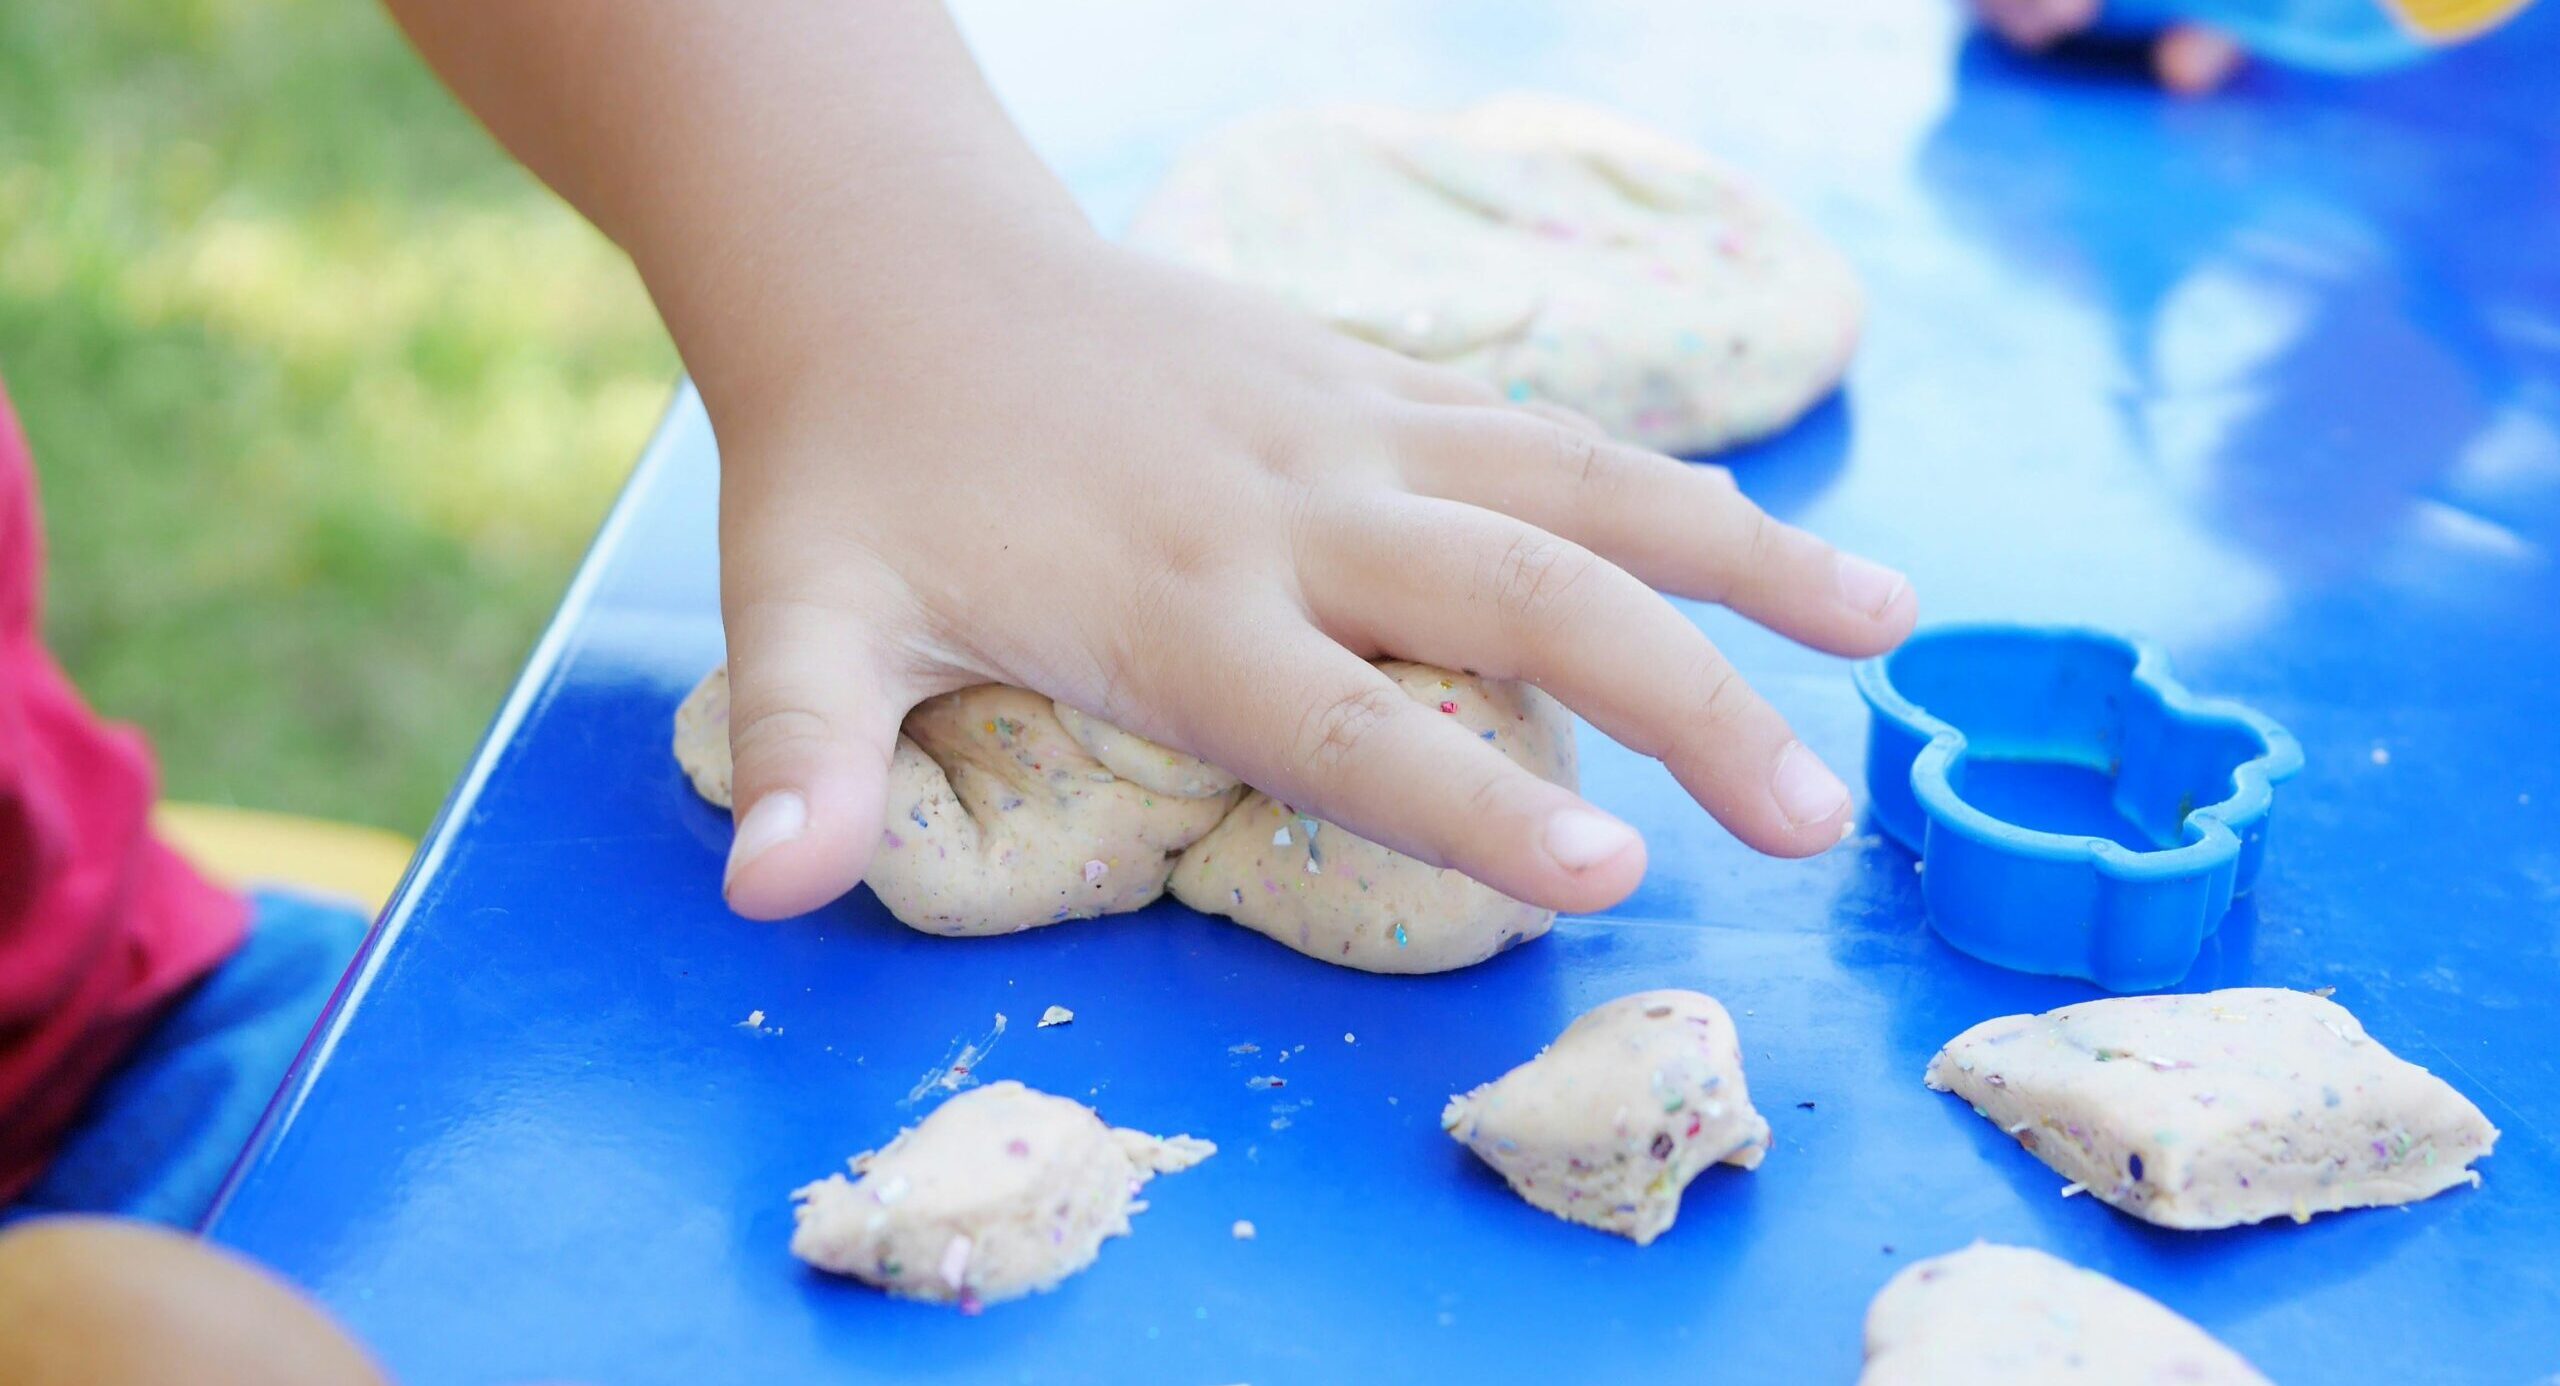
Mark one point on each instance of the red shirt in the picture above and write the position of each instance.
(100, 925)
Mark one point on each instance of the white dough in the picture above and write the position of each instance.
(2007, 1314)
(1159, 769)
(1339, 897)
(1008, 811)
(1001, 1192)
(1613, 1120)
(1000, 821)
(1552, 250)
(702, 736)
(2218, 1109)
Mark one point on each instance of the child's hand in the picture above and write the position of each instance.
(2190, 59)
(965, 440)
(1191, 513)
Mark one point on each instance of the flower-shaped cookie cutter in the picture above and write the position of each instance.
(2076, 810)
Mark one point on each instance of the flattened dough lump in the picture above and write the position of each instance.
(1003, 1191)
(1008, 811)
(2219, 1109)
(1000, 821)
(1347, 900)
(1552, 250)
(1629, 1104)
(2004, 1313)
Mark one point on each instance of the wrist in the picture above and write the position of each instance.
(765, 308)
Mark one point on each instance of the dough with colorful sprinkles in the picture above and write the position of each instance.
(1553, 250)
(1612, 1121)
(1347, 900)
(1000, 1193)
(2218, 1109)
(2004, 1313)
(1008, 811)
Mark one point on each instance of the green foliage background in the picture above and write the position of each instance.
(326, 394)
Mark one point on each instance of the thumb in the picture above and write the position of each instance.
(813, 722)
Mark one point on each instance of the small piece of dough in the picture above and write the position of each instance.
(2219, 1109)
(1553, 250)
(1613, 1120)
(2004, 1313)
(1008, 811)
(1344, 899)
(1001, 1192)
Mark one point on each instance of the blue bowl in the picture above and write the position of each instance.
(2076, 810)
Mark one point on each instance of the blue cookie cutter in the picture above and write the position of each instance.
(2076, 810)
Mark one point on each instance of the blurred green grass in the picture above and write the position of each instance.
(326, 394)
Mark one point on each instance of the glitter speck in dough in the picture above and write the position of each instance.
(1609, 1125)
(1554, 251)
(1001, 1192)
(2218, 1109)
(2004, 1313)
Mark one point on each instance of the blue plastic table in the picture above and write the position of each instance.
(2273, 378)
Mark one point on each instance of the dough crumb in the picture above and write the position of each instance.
(1055, 1015)
(2218, 1109)
(1609, 1124)
(1242, 1231)
(2381, 755)
(1349, 1038)
(1003, 1191)
(2004, 1313)
(754, 1021)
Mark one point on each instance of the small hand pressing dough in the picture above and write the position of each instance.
(1002, 1192)
(1008, 811)
(1613, 1120)
(2219, 1109)
(1347, 900)
(2004, 1313)
(1553, 250)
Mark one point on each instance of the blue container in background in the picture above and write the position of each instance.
(2321, 35)
(2077, 812)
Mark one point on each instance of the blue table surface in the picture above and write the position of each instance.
(2273, 378)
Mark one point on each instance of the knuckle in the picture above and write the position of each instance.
(1722, 701)
(770, 738)
(1489, 794)
(1339, 729)
(1727, 701)
(1534, 577)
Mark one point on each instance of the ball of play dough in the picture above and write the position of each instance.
(1007, 811)
(702, 736)
(1609, 1125)
(1347, 900)
(2218, 1109)
(2004, 1313)
(1552, 250)
(998, 819)
(1003, 1191)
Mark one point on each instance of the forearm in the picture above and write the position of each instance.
(736, 151)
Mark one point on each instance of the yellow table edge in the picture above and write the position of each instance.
(243, 848)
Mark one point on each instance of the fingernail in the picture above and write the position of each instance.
(1579, 839)
(777, 818)
(1807, 791)
(1868, 586)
